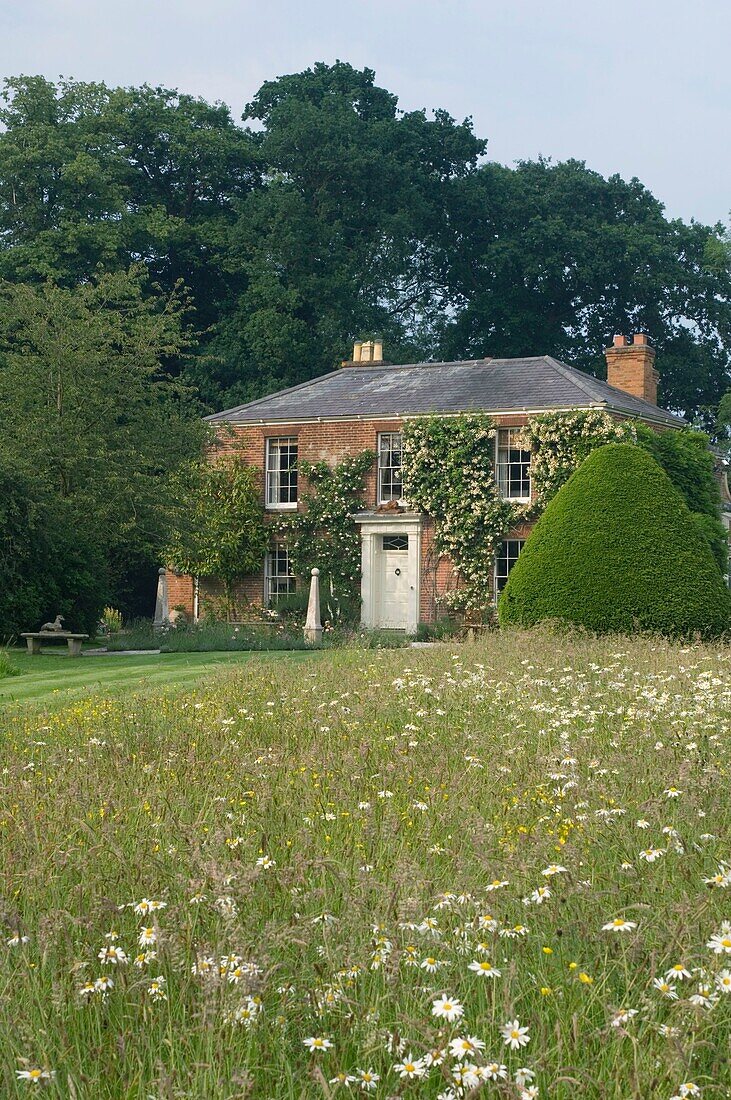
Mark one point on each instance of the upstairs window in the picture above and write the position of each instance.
(512, 465)
(505, 558)
(279, 579)
(389, 467)
(281, 473)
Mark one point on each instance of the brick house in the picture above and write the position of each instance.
(363, 405)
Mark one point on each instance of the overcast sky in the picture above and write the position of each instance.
(639, 87)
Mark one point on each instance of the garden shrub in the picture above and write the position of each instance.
(442, 629)
(206, 637)
(618, 550)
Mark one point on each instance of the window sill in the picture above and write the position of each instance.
(292, 507)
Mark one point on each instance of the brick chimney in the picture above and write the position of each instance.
(631, 366)
(365, 351)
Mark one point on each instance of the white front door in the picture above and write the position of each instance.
(396, 586)
(390, 563)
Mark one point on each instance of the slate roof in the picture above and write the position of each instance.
(375, 390)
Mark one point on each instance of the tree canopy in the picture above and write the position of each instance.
(331, 214)
(553, 258)
(92, 426)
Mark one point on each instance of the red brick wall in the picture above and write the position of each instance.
(180, 592)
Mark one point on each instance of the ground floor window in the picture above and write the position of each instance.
(279, 579)
(505, 558)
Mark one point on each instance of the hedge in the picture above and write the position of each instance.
(617, 549)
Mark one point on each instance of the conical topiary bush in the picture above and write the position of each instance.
(617, 550)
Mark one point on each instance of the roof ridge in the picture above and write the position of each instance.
(602, 385)
(578, 377)
(516, 382)
(368, 366)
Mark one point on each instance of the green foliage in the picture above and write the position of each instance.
(49, 563)
(723, 418)
(438, 254)
(553, 258)
(94, 177)
(325, 536)
(561, 441)
(722, 434)
(112, 619)
(713, 531)
(93, 428)
(617, 549)
(220, 530)
(687, 459)
(448, 473)
(354, 180)
(442, 630)
(137, 634)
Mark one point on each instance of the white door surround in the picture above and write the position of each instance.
(390, 574)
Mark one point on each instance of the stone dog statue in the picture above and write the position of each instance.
(54, 626)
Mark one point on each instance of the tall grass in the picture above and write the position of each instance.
(7, 668)
(335, 846)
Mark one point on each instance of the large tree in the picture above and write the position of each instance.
(92, 425)
(341, 240)
(95, 178)
(335, 215)
(553, 258)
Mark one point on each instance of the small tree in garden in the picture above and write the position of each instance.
(220, 530)
(617, 549)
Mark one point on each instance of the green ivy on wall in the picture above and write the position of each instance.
(560, 441)
(448, 472)
(325, 535)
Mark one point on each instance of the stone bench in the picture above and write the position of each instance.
(35, 640)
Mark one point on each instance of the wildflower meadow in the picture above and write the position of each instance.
(500, 868)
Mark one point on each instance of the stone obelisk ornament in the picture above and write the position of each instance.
(313, 626)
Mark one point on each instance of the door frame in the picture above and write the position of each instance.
(373, 525)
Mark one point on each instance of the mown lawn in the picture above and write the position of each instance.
(404, 860)
(52, 678)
